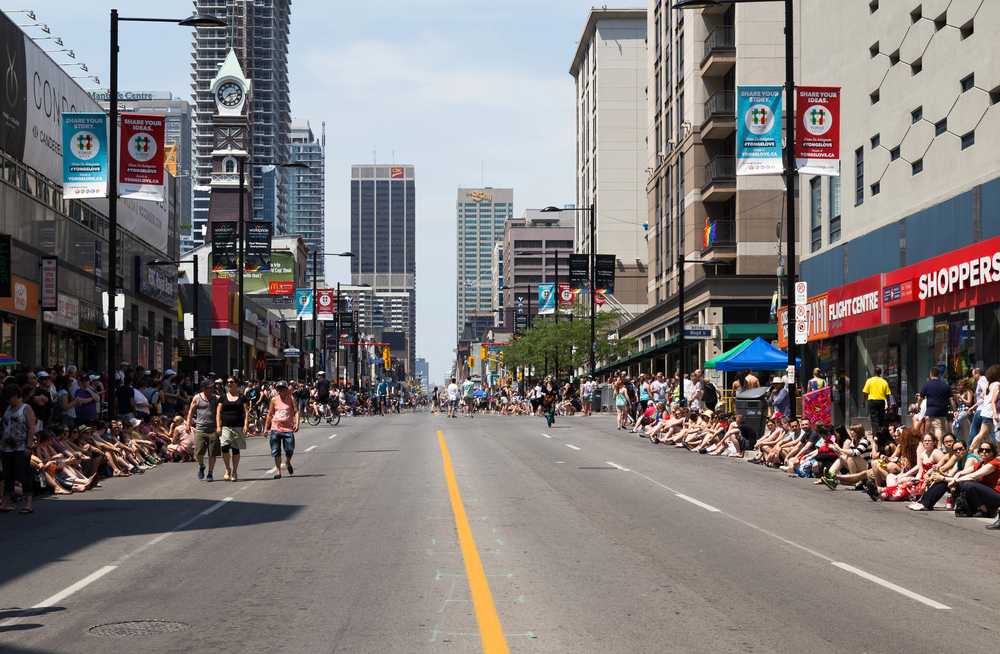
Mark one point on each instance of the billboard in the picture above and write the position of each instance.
(277, 278)
(758, 130)
(85, 155)
(817, 136)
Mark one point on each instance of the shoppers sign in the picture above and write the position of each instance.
(140, 167)
(758, 130)
(85, 155)
(817, 138)
(546, 299)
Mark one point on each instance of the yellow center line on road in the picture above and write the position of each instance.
(490, 631)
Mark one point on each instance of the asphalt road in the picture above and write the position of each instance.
(574, 539)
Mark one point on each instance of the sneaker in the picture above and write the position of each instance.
(209, 477)
(916, 506)
(290, 469)
(201, 472)
(830, 482)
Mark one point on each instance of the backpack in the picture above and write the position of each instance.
(709, 395)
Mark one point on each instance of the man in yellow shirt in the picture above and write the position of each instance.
(878, 393)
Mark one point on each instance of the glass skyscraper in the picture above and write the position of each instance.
(306, 192)
(481, 214)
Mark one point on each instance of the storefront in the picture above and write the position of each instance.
(18, 315)
(941, 312)
(70, 335)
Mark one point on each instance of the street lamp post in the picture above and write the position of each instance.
(791, 172)
(592, 210)
(197, 20)
(315, 261)
(196, 290)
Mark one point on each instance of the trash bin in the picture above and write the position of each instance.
(752, 405)
(598, 398)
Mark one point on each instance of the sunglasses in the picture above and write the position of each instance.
(985, 450)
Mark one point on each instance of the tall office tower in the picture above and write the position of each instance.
(481, 214)
(383, 208)
(258, 31)
(307, 192)
(179, 134)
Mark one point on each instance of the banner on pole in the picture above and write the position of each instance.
(303, 302)
(520, 312)
(325, 298)
(258, 246)
(817, 138)
(579, 270)
(567, 295)
(85, 155)
(224, 235)
(604, 272)
(758, 130)
(546, 299)
(140, 172)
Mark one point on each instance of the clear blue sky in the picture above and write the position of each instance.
(449, 86)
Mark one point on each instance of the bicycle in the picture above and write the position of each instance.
(314, 414)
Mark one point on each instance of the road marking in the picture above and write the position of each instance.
(891, 586)
(572, 447)
(72, 588)
(615, 465)
(332, 436)
(311, 448)
(546, 436)
(707, 507)
(215, 507)
(490, 631)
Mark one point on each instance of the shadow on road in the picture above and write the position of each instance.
(65, 527)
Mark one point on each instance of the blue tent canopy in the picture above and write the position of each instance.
(759, 355)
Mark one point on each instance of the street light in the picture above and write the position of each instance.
(196, 20)
(55, 39)
(593, 278)
(197, 287)
(791, 172)
(95, 78)
(68, 51)
(41, 26)
(315, 266)
(240, 163)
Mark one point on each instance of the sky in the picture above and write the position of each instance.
(454, 87)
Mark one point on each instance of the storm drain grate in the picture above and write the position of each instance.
(133, 628)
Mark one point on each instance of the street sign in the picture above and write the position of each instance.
(790, 371)
(801, 332)
(801, 292)
(698, 332)
(292, 353)
(801, 312)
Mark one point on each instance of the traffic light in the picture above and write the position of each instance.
(386, 358)
(483, 353)
(472, 362)
(500, 357)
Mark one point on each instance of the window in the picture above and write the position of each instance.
(815, 213)
(916, 115)
(859, 176)
(876, 188)
(894, 153)
(918, 166)
(876, 141)
(968, 139)
(968, 82)
(834, 227)
(874, 96)
(940, 127)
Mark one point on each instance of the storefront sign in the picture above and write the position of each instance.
(5, 267)
(838, 311)
(140, 171)
(156, 282)
(23, 300)
(579, 270)
(67, 314)
(758, 130)
(817, 139)
(85, 155)
(50, 283)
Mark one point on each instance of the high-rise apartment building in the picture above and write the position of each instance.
(307, 192)
(697, 209)
(481, 214)
(609, 68)
(383, 235)
(179, 134)
(258, 31)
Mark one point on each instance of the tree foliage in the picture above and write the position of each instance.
(566, 342)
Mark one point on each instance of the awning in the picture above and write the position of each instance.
(758, 355)
(710, 364)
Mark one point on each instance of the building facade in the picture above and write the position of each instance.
(496, 286)
(258, 31)
(536, 250)
(307, 192)
(697, 209)
(480, 217)
(900, 252)
(383, 235)
(609, 68)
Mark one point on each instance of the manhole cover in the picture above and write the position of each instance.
(134, 628)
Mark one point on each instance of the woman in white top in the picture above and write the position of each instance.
(988, 410)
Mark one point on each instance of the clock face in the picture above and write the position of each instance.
(229, 94)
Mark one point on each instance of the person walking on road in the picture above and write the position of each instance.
(469, 401)
(206, 429)
(877, 391)
(452, 398)
(281, 424)
(233, 418)
(16, 441)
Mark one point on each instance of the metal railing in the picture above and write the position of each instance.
(720, 104)
(721, 39)
(720, 169)
(723, 234)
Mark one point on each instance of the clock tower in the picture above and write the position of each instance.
(231, 141)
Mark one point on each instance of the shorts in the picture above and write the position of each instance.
(279, 440)
(233, 438)
(206, 441)
(470, 401)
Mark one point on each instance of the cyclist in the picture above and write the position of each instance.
(322, 388)
(381, 393)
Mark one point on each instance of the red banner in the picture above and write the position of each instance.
(817, 136)
(141, 150)
(567, 295)
(327, 298)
